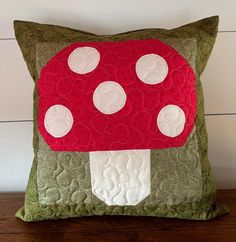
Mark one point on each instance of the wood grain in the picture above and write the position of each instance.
(16, 155)
(221, 147)
(106, 17)
(116, 228)
(218, 84)
(16, 92)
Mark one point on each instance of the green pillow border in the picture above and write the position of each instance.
(28, 34)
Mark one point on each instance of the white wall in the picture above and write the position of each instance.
(107, 17)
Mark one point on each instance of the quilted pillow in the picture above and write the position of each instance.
(119, 125)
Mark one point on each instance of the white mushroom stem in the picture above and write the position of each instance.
(120, 177)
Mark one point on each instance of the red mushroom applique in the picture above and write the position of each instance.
(117, 100)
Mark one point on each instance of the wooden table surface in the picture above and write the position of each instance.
(116, 228)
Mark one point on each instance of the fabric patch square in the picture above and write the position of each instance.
(117, 177)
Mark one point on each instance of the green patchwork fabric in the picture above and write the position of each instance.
(181, 182)
(64, 177)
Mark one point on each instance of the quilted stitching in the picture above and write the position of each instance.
(135, 125)
(59, 87)
(65, 177)
(28, 34)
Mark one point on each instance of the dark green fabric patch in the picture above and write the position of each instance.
(190, 176)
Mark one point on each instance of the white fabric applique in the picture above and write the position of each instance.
(151, 69)
(171, 120)
(109, 97)
(83, 60)
(120, 177)
(58, 121)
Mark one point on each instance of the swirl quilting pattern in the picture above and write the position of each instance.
(181, 184)
(53, 191)
(112, 108)
(78, 75)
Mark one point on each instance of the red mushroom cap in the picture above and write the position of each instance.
(135, 94)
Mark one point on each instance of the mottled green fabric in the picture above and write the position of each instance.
(191, 168)
(64, 177)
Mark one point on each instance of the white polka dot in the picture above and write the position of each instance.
(58, 121)
(171, 120)
(83, 60)
(109, 97)
(151, 69)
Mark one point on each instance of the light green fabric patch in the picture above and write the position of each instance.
(64, 177)
(56, 190)
(176, 174)
(186, 47)
(45, 51)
